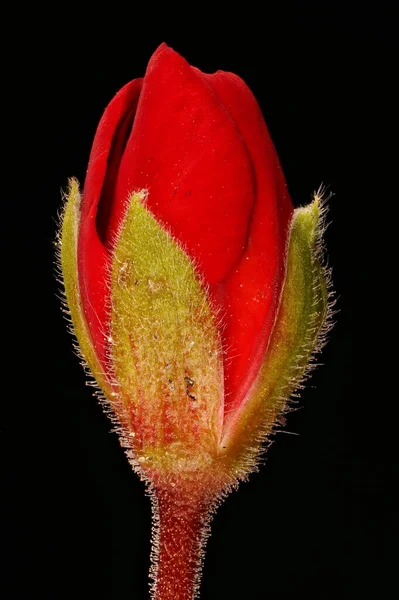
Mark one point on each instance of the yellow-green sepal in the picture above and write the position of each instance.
(297, 334)
(68, 263)
(165, 349)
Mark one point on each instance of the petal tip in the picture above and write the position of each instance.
(162, 56)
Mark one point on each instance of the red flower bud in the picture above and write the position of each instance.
(199, 145)
(196, 292)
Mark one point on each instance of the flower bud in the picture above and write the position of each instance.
(197, 294)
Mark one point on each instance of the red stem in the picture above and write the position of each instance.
(181, 524)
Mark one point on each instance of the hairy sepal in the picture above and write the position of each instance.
(165, 349)
(298, 332)
(68, 263)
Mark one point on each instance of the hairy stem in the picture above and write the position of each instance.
(181, 523)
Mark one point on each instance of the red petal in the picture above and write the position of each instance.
(251, 294)
(93, 258)
(200, 146)
(186, 150)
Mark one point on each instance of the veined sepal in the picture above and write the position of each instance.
(165, 353)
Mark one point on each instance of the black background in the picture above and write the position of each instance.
(320, 517)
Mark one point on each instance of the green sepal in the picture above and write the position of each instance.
(298, 332)
(165, 348)
(68, 242)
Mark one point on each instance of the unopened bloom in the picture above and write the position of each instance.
(195, 290)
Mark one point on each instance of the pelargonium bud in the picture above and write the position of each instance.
(197, 293)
